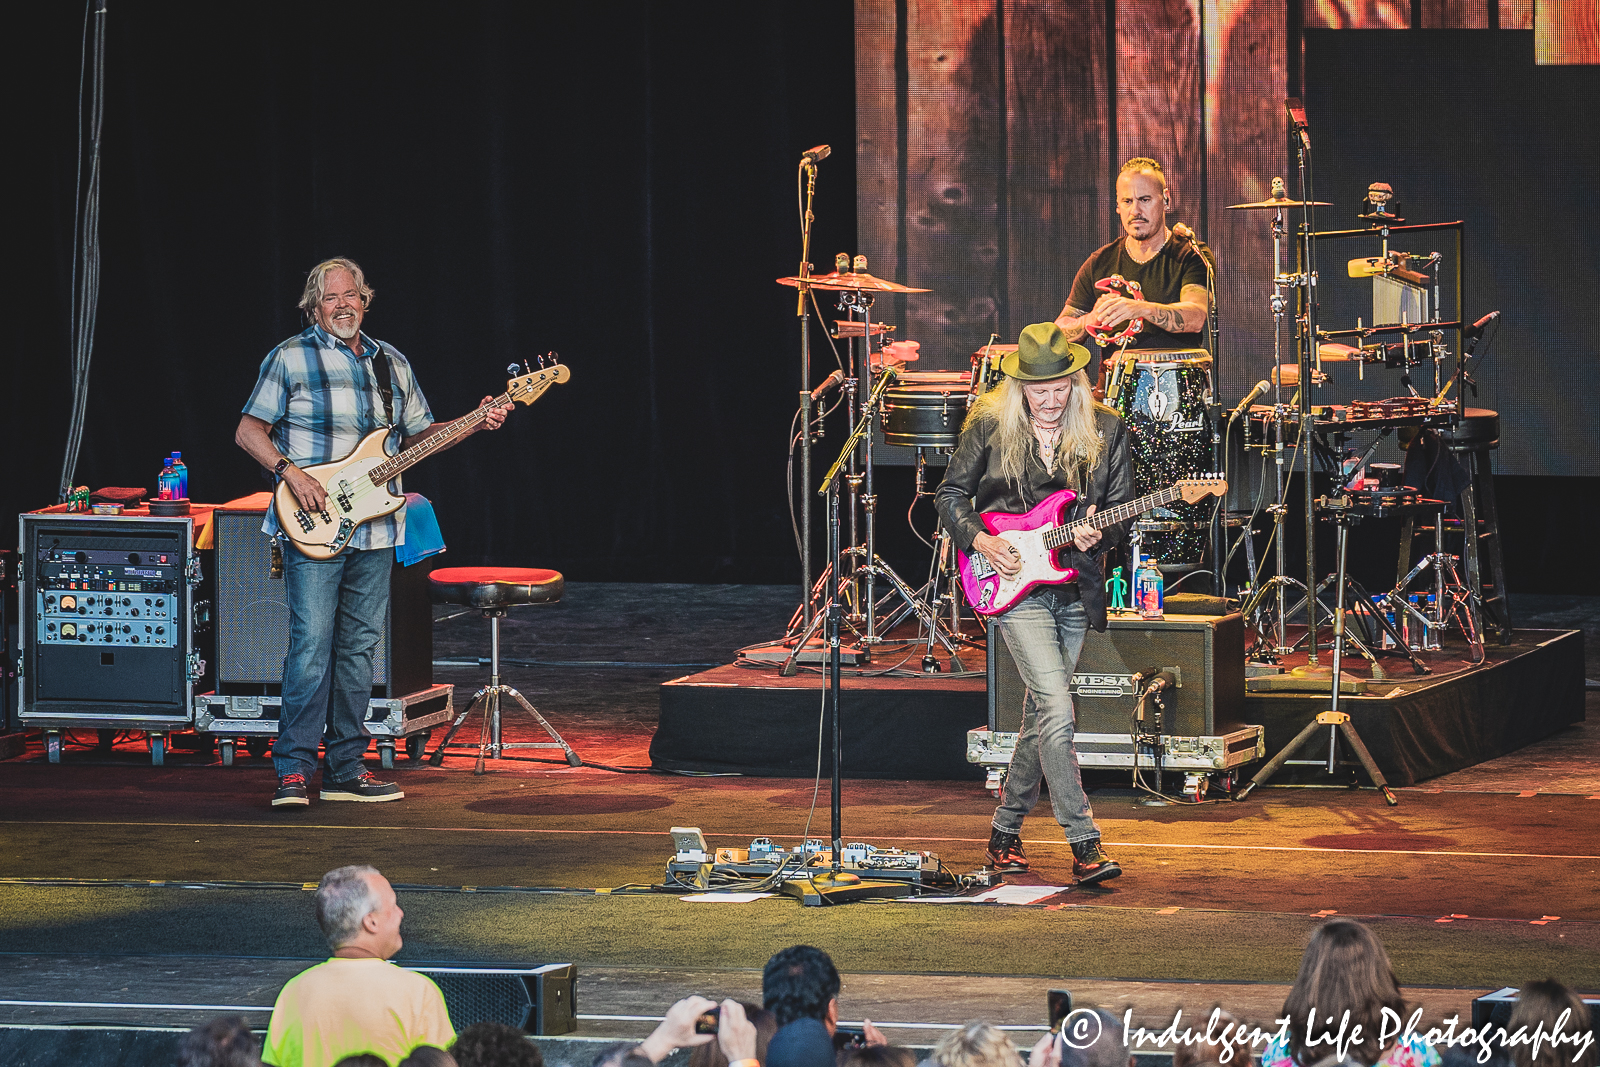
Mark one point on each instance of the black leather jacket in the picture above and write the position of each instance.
(970, 487)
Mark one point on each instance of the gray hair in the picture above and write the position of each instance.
(317, 283)
(344, 898)
(976, 1045)
(1107, 1049)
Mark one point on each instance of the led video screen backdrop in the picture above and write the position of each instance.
(989, 134)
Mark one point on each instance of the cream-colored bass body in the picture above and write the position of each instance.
(358, 485)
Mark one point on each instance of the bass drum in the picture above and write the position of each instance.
(1169, 435)
(925, 409)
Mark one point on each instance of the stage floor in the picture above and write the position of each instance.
(1481, 878)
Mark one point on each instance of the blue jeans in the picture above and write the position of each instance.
(1044, 637)
(336, 612)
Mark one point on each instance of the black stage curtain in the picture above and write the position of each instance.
(614, 182)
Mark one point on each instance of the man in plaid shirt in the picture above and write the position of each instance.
(317, 396)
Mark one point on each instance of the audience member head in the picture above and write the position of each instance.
(495, 1045)
(1206, 1052)
(766, 1024)
(623, 1054)
(805, 1042)
(222, 1042)
(976, 1045)
(358, 912)
(1543, 1002)
(876, 1056)
(801, 983)
(363, 1059)
(1106, 1049)
(428, 1056)
(1345, 969)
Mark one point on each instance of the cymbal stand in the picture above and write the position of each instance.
(1280, 581)
(1337, 722)
(942, 574)
(1309, 359)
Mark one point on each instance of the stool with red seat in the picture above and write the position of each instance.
(495, 590)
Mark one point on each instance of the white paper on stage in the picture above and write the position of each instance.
(725, 898)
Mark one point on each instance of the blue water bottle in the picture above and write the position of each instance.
(182, 470)
(1148, 589)
(167, 483)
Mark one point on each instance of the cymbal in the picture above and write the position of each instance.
(836, 282)
(994, 350)
(852, 328)
(1274, 204)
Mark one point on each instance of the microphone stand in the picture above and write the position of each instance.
(803, 313)
(838, 885)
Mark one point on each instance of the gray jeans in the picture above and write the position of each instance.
(1044, 637)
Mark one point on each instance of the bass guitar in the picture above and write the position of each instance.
(358, 484)
(1037, 535)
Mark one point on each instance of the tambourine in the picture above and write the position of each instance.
(1122, 287)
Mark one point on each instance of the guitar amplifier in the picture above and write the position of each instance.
(1204, 653)
(252, 616)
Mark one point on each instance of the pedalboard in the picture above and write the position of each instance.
(692, 862)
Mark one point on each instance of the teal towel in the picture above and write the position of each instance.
(423, 538)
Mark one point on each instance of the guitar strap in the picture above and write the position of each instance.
(380, 371)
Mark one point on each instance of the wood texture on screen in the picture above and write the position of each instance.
(1247, 132)
(1566, 31)
(1516, 14)
(999, 216)
(1059, 192)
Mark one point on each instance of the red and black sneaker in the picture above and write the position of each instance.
(291, 792)
(1090, 864)
(1005, 853)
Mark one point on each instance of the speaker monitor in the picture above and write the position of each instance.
(252, 616)
(538, 1000)
(1208, 652)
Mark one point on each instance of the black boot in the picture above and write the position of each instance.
(1090, 864)
(1005, 853)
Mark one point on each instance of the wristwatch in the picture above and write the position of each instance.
(277, 471)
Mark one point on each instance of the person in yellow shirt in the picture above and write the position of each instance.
(356, 1001)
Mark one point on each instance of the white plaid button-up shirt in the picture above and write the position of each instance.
(321, 400)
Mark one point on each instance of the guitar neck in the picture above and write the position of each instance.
(1062, 535)
(446, 437)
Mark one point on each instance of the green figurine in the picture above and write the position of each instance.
(1117, 590)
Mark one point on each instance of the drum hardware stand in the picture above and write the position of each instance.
(1448, 590)
(873, 567)
(942, 572)
(1337, 722)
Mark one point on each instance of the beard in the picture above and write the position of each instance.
(344, 328)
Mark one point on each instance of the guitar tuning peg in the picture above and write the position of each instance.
(512, 369)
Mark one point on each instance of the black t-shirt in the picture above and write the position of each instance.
(1161, 281)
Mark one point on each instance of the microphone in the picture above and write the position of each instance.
(828, 383)
(1182, 232)
(1476, 329)
(1297, 118)
(815, 155)
(1250, 398)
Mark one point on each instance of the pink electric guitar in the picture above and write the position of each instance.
(1040, 532)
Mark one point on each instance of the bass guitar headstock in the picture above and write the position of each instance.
(1193, 490)
(530, 386)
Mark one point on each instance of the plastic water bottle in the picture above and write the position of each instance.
(167, 483)
(1148, 589)
(182, 470)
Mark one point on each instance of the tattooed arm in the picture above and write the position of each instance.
(1188, 315)
(1074, 322)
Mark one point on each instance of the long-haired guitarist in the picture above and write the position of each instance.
(1038, 432)
(319, 393)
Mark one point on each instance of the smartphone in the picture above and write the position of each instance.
(708, 1021)
(1059, 1006)
(844, 1038)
